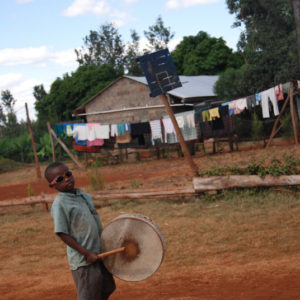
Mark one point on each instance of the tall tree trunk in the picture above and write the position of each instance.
(296, 7)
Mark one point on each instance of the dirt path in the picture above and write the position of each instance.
(256, 280)
(278, 281)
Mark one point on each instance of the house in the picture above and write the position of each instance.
(127, 100)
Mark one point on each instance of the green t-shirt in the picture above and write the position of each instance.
(76, 216)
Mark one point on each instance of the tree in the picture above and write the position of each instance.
(296, 8)
(68, 92)
(39, 92)
(132, 52)
(158, 36)
(8, 100)
(204, 55)
(103, 47)
(9, 119)
(268, 42)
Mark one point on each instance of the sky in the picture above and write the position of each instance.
(38, 37)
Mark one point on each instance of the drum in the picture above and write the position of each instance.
(144, 246)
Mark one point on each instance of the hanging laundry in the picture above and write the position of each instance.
(191, 119)
(59, 129)
(286, 88)
(198, 114)
(206, 115)
(258, 98)
(139, 130)
(124, 139)
(121, 129)
(114, 130)
(230, 109)
(251, 101)
(92, 139)
(101, 131)
(265, 97)
(214, 113)
(279, 92)
(218, 123)
(188, 132)
(80, 133)
(156, 132)
(170, 135)
(69, 129)
(180, 120)
(238, 105)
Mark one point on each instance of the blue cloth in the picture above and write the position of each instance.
(59, 129)
(121, 129)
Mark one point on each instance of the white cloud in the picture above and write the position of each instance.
(175, 4)
(24, 1)
(173, 43)
(144, 44)
(81, 7)
(8, 80)
(37, 56)
(23, 56)
(119, 19)
(130, 1)
(22, 90)
(66, 58)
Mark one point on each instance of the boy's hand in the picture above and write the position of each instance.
(92, 257)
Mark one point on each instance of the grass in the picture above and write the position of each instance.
(237, 227)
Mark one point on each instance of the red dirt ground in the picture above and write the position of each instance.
(277, 280)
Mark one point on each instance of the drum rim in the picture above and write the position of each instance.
(153, 225)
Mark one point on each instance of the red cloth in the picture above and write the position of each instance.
(80, 148)
(278, 92)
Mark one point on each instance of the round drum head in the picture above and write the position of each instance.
(144, 247)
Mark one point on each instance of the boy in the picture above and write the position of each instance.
(77, 223)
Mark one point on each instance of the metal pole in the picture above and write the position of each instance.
(183, 145)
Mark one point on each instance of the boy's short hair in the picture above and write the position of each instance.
(51, 167)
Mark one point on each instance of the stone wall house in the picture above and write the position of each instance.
(127, 100)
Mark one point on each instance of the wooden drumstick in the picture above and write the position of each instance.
(108, 253)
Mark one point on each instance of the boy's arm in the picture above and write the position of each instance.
(90, 256)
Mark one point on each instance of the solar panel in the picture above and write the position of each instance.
(160, 73)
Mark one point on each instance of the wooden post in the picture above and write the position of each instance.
(66, 149)
(274, 131)
(52, 143)
(37, 165)
(293, 113)
(183, 145)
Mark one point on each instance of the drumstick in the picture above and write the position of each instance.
(115, 251)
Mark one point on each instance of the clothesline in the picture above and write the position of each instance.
(161, 130)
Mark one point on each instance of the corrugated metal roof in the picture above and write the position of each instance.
(192, 86)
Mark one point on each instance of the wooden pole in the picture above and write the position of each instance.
(52, 143)
(66, 149)
(293, 113)
(274, 131)
(242, 181)
(183, 145)
(115, 251)
(37, 165)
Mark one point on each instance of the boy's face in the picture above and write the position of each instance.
(61, 172)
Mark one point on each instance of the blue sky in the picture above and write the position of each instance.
(39, 36)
